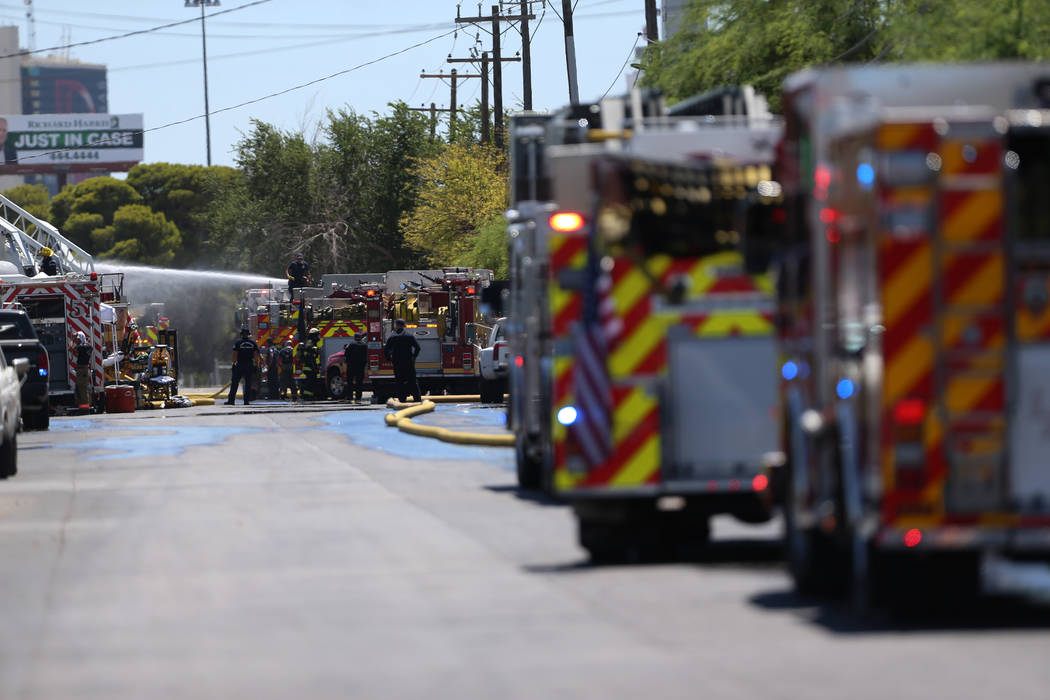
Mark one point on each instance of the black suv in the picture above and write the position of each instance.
(18, 339)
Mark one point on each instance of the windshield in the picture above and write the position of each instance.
(15, 325)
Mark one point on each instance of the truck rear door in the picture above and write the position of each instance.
(48, 314)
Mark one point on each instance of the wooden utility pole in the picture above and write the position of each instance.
(526, 58)
(455, 77)
(652, 32)
(433, 109)
(484, 60)
(570, 52)
(497, 63)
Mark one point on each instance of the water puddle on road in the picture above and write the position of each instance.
(141, 441)
(367, 429)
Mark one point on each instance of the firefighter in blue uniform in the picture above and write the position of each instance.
(402, 349)
(245, 352)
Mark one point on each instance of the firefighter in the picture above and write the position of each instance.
(272, 370)
(48, 265)
(402, 349)
(287, 371)
(245, 352)
(356, 355)
(310, 359)
(298, 273)
(82, 351)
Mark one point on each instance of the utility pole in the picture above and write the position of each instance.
(497, 63)
(485, 60)
(433, 109)
(570, 52)
(455, 77)
(652, 33)
(204, 53)
(526, 58)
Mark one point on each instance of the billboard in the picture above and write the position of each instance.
(70, 143)
(63, 88)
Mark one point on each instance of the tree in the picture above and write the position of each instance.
(462, 188)
(98, 196)
(185, 195)
(138, 234)
(35, 199)
(760, 42)
(489, 251)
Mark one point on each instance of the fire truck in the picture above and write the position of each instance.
(59, 306)
(440, 308)
(642, 339)
(914, 314)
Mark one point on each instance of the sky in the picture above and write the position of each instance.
(273, 46)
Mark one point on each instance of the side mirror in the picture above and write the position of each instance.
(21, 366)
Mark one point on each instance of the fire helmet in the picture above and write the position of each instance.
(46, 252)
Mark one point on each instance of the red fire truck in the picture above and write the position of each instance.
(914, 306)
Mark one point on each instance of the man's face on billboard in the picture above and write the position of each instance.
(3, 130)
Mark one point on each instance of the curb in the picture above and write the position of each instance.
(402, 420)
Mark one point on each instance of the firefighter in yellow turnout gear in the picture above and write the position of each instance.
(309, 354)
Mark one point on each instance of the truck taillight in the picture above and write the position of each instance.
(468, 360)
(909, 453)
(566, 221)
(373, 360)
(42, 363)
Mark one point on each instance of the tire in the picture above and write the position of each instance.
(530, 469)
(9, 457)
(39, 419)
(336, 385)
(489, 391)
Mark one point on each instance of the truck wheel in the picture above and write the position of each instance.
(530, 469)
(9, 457)
(336, 385)
(490, 392)
(37, 420)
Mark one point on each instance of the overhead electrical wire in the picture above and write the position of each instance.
(271, 95)
(626, 61)
(130, 34)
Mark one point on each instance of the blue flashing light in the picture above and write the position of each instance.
(567, 415)
(42, 372)
(789, 371)
(844, 389)
(866, 175)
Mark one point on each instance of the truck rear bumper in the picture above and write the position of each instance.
(1034, 538)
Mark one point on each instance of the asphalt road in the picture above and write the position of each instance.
(314, 553)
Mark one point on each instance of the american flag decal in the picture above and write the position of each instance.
(599, 324)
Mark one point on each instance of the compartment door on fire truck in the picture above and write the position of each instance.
(49, 319)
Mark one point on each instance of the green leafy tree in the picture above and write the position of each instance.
(138, 234)
(35, 199)
(463, 188)
(489, 251)
(98, 196)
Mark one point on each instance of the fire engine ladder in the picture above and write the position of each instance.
(26, 235)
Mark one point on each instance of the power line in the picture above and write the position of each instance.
(274, 94)
(129, 34)
(626, 61)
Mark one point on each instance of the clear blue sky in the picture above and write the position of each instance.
(280, 44)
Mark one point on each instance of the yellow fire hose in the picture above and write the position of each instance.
(402, 420)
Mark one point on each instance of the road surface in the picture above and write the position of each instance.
(283, 552)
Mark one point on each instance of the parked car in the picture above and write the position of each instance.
(492, 361)
(18, 339)
(11, 380)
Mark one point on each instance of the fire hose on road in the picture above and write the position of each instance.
(402, 420)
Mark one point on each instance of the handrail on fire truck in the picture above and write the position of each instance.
(27, 235)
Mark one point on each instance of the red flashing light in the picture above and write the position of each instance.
(519, 361)
(822, 177)
(93, 276)
(370, 293)
(828, 215)
(833, 235)
(712, 486)
(912, 537)
(734, 484)
(470, 290)
(566, 221)
(760, 482)
(779, 215)
(909, 411)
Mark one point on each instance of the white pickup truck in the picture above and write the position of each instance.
(492, 361)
